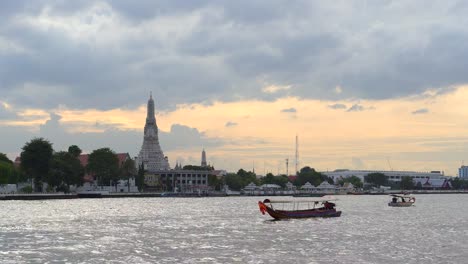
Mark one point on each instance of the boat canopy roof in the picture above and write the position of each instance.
(321, 199)
(401, 195)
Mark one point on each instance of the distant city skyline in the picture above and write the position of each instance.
(364, 86)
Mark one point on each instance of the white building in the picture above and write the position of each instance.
(394, 176)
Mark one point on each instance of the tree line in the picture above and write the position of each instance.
(62, 169)
(237, 181)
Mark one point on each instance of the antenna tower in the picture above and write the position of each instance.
(287, 167)
(390, 166)
(297, 154)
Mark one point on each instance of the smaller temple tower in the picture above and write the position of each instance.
(203, 158)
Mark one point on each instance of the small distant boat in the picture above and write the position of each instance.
(401, 200)
(313, 208)
(308, 195)
(92, 194)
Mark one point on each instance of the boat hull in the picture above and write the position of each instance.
(299, 214)
(400, 204)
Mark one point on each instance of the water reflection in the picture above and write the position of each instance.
(231, 230)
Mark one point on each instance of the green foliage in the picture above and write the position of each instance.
(376, 179)
(35, 159)
(104, 164)
(74, 150)
(128, 171)
(239, 180)
(215, 182)
(406, 183)
(140, 180)
(198, 168)
(5, 171)
(8, 173)
(280, 180)
(308, 174)
(26, 189)
(354, 180)
(65, 169)
(459, 184)
(4, 158)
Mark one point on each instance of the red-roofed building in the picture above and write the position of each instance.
(17, 162)
(292, 178)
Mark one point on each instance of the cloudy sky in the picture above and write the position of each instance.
(364, 84)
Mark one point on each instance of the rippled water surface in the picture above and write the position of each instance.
(231, 230)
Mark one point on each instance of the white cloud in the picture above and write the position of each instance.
(275, 88)
(338, 90)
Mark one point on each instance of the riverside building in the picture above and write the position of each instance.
(394, 176)
(463, 172)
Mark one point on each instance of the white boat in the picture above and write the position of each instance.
(403, 200)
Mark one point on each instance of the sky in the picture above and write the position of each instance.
(376, 85)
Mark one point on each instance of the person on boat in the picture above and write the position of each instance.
(403, 200)
(394, 200)
(328, 205)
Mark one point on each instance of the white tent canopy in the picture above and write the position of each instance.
(270, 186)
(326, 186)
(250, 186)
(307, 186)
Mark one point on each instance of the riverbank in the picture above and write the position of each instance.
(85, 195)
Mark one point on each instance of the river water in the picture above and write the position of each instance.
(232, 230)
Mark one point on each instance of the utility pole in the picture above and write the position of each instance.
(297, 154)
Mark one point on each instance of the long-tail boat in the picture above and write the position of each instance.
(404, 200)
(299, 209)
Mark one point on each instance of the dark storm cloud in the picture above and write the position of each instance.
(179, 136)
(337, 106)
(289, 110)
(356, 108)
(420, 111)
(88, 54)
(231, 124)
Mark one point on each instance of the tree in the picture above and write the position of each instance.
(376, 179)
(127, 171)
(6, 169)
(280, 180)
(35, 159)
(214, 182)
(8, 173)
(4, 158)
(406, 183)
(268, 179)
(140, 180)
(308, 174)
(234, 181)
(354, 180)
(74, 150)
(65, 170)
(198, 168)
(239, 180)
(104, 164)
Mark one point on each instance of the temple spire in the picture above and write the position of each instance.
(203, 159)
(151, 154)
